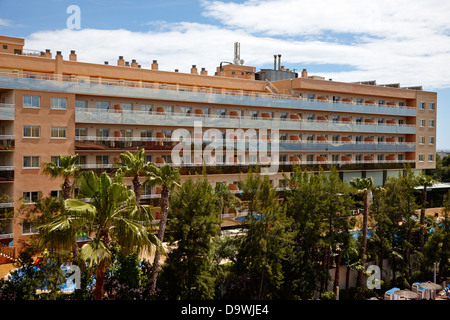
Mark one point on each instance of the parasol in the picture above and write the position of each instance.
(430, 285)
(406, 294)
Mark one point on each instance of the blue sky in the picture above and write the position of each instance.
(390, 41)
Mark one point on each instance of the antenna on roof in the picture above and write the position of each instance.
(237, 54)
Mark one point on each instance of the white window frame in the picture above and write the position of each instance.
(33, 99)
(31, 160)
(59, 103)
(59, 130)
(31, 129)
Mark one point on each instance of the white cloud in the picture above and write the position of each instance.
(5, 23)
(391, 41)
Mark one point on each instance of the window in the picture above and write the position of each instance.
(102, 133)
(31, 162)
(126, 133)
(146, 108)
(358, 120)
(421, 157)
(430, 157)
(253, 114)
(430, 140)
(101, 160)
(59, 103)
(56, 193)
(148, 158)
(400, 157)
(146, 133)
(335, 138)
(422, 123)
(81, 160)
(309, 157)
(335, 119)
(283, 137)
(432, 105)
(221, 112)
(31, 102)
(422, 106)
(380, 102)
(335, 157)
(421, 140)
(380, 139)
(5, 46)
(310, 97)
(126, 106)
(359, 101)
(310, 138)
(283, 115)
(80, 104)
(401, 122)
(31, 196)
(55, 160)
(80, 132)
(31, 131)
(358, 157)
(168, 109)
(310, 117)
(380, 120)
(186, 111)
(358, 139)
(431, 123)
(380, 157)
(102, 105)
(29, 227)
(336, 99)
(59, 132)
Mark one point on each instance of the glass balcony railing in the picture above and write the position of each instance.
(6, 111)
(92, 143)
(139, 89)
(221, 122)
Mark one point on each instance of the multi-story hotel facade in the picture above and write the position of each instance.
(52, 105)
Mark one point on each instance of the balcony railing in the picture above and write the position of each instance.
(88, 143)
(136, 117)
(139, 89)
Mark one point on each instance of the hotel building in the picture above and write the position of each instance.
(52, 105)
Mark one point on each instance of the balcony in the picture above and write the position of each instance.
(6, 111)
(135, 117)
(93, 143)
(138, 89)
(7, 142)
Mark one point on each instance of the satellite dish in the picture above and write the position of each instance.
(242, 61)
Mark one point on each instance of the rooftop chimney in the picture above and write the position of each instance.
(274, 62)
(47, 54)
(279, 61)
(194, 69)
(134, 64)
(120, 62)
(304, 73)
(204, 72)
(73, 55)
(155, 65)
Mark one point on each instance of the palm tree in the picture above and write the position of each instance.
(134, 166)
(425, 182)
(364, 187)
(167, 178)
(64, 167)
(111, 216)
